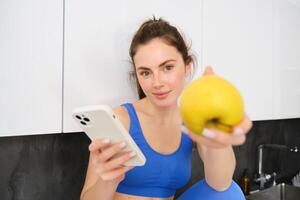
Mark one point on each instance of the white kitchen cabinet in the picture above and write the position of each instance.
(237, 42)
(255, 45)
(287, 59)
(97, 40)
(31, 38)
(240, 39)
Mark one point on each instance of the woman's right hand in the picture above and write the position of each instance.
(108, 160)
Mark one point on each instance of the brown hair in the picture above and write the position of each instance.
(157, 28)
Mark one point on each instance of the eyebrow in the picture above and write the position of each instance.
(161, 64)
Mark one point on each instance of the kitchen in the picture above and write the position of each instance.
(50, 64)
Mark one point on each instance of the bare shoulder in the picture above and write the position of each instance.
(123, 115)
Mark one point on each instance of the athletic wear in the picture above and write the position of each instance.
(162, 174)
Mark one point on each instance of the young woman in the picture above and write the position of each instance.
(161, 64)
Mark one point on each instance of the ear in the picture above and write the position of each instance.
(189, 69)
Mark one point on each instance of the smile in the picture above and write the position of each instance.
(161, 95)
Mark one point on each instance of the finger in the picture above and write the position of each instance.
(109, 152)
(200, 139)
(118, 161)
(243, 127)
(98, 144)
(224, 138)
(116, 173)
(218, 139)
(208, 71)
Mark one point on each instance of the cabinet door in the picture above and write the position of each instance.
(237, 42)
(98, 36)
(287, 58)
(31, 67)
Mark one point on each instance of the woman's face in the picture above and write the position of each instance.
(161, 72)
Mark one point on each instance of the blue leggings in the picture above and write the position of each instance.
(202, 191)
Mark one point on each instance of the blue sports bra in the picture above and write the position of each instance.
(163, 173)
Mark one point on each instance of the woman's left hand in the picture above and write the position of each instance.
(219, 139)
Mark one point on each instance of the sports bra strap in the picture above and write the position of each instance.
(134, 121)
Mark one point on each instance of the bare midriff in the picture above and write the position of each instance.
(120, 196)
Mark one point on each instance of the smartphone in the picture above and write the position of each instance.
(100, 122)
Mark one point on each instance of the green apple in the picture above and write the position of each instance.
(211, 102)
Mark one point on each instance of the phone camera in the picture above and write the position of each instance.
(83, 123)
(78, 117)
(86, 119)
(114, 116)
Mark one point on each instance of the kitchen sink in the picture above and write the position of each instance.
(278, 192)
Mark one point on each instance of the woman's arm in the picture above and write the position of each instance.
(95, 188)
(100, 191)
(105, 172)
(215, 149)
(219, 166)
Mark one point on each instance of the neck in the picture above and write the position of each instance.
(165, 115)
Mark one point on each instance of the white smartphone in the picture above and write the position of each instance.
(99, 122)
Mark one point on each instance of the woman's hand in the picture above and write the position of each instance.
(218, 139)
(108, 160)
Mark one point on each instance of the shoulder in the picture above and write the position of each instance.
(123, 115)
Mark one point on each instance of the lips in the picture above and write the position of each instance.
(161, 95)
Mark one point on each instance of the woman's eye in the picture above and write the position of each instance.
(168, 67)
(144, 73)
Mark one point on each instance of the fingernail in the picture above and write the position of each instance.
(208, 133)
(132, 153)
(238, 131)
(122, 144)
(106, 141)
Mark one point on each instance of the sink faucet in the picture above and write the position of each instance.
(262, 177)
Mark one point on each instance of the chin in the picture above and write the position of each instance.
(165, 103)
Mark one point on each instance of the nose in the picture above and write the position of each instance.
(157, 82)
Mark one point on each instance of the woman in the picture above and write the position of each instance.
(161, 64)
